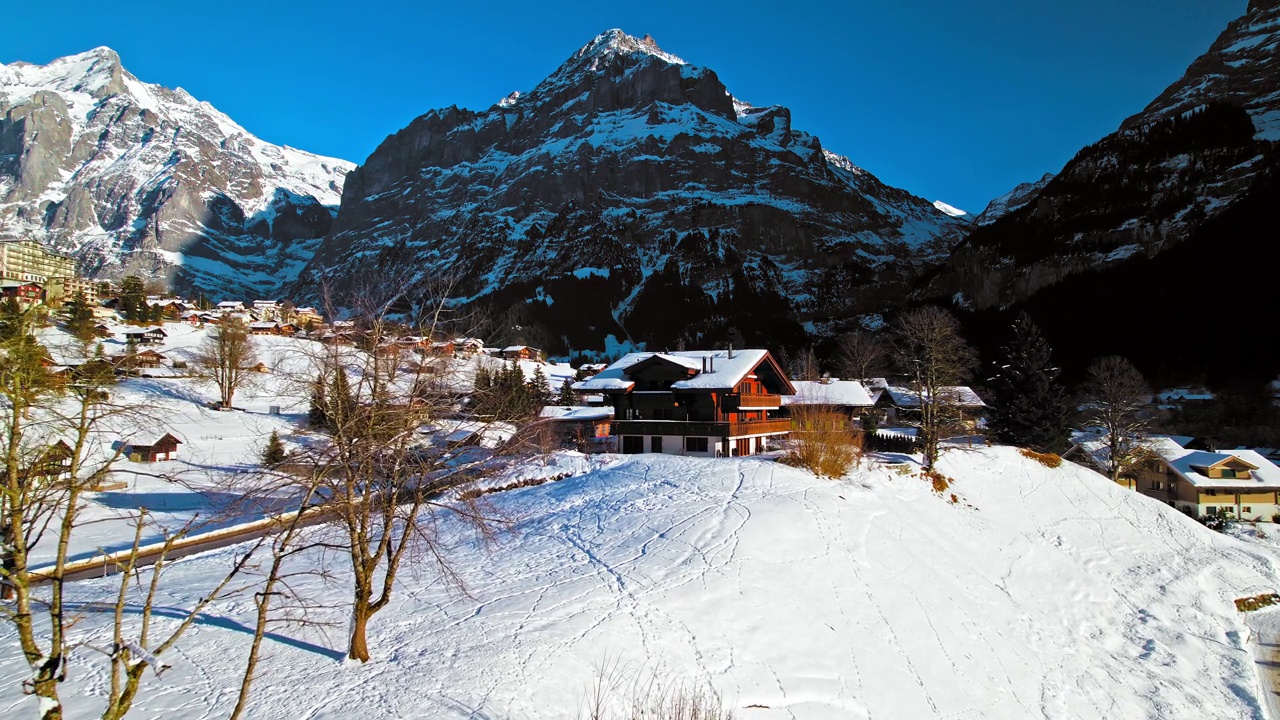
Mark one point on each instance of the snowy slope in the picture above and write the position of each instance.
(130, 176)
(1012, 200)
(1040, 594)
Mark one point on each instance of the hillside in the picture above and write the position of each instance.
(1041, 593)
(627, 188)
(131, 177)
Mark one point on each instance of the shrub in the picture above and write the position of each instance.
(822, 442)
(1049, 460)
(274, 453)
(939, 481)
(1256, 602)
(619, 697)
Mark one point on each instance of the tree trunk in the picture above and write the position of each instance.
(358, 648)
(46, 689)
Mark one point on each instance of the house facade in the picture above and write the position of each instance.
(709, 403)
(1238, 484)
(164, 448)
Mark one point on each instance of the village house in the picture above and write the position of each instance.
(1239, 484)
(144, 336)
(442, 348)
(579, 426)
(230, 306)
(307, 316)
(136, 361)
(521, 352)
(848, 398)
(590, 369)
(901, 404)
(52, 465)
(710, 403)
(468, 346)
(25, 294)
(164, 448)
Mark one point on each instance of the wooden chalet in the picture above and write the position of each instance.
(848, 398)
(24, 293)
(145, 359)
(710, 403)
(1239, 484)
(442, 348)
(145, 336)
(165, 448)
(898, 403)
(52, 465)
(577, 425)
(521, 352)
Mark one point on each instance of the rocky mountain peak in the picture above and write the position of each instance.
(625, 182)
(134, 177)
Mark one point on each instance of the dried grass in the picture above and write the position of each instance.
(1049, 460)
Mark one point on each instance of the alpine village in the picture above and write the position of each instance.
(625, 398)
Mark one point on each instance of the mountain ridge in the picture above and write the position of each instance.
(129, 176)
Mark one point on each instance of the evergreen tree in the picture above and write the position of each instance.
(539, 390)
(566, 396)
(318, 413)
(1029, 408)
(133, 299)
(340, 403)
(274, 453)
(79, 316)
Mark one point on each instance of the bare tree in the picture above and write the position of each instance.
(227, 354)
(56, 432)
(1116, 396)
(806, 365)
(381, 484)
(936, 358)
(862, 355)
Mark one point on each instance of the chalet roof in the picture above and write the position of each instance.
(574, 413)
(145, 331)
(963, 396)
(518, 348)
(1189, 463)
(263, 325)
(723, 372)
(167, 436)
(849, 393)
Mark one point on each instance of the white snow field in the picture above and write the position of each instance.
(1042, 593)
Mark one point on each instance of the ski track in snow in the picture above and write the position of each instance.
(1043, 593)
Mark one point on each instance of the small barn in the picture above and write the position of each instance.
(165, 448)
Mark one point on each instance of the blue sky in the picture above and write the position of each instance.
(957, 101)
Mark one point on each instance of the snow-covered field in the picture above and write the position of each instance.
(1040, 593)
(215, 444)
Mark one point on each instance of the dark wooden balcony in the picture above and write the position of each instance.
(758, 401)
(705, 429)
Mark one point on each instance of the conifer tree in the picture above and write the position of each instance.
(133, 299)
(318, 413)
(539, 390)
(79, 317)
(566, 396)
(274, 453)
(1029, 408)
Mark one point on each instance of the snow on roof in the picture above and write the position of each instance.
(724, 372)
(1190, 463)
(836, 392)
(573, 413)
(957, 394)
(1183, 393)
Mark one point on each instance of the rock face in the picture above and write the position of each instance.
(634, 194)
(1200, 147)
(136, 178)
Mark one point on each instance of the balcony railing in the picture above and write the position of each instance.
(752, 400)
(705, 429)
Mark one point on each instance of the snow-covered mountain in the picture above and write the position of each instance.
(628, 186)
(133, 177)
(1012, 200)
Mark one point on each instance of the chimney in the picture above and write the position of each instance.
(731, 351)
(704, 363)
(711, 363)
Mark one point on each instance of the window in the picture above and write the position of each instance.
(655, 444)
(695, 444)
(662, 413)
(632, 444)
(1248, 508)
(1228, 473)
